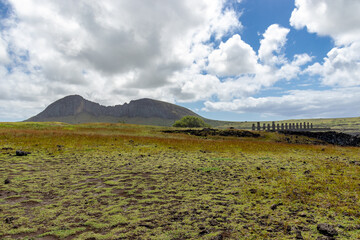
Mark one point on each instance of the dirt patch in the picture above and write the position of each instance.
(30, 203)
(4, 194)
(14, 200)
(27, 235)
(48, 238)
(120, 192)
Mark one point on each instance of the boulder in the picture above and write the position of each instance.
(327, 229)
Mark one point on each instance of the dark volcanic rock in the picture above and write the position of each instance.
(327, 229)
(331, 137)
(142, 108)
(253, 191)
(21, 153)
(9, 220)
(7, 181)
(215, 132)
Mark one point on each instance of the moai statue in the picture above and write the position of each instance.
(308, 126)
(300, 125)
(269, 127)
(258, 126)
(286, 126)
(264, 126)
(278, 127)
(293, 126)
(290, 126)
(311, 126)
(253, 127)
(273, 126)
(282, 126)
(297, 125)
(304, 125)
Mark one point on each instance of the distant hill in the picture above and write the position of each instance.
(76, 109)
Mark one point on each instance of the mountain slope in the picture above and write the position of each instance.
(76, 109)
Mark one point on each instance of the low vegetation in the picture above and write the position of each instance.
(118, 181)
(190, 122)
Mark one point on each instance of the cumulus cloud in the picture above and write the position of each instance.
(178, 51)
(4, 57)
(340, 21)
(298, 103)
(290, 70)
(234, 57)
(337, 19)
(273, 42)
(341, 67)
(99, 49)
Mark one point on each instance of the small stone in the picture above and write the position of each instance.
(355, 163)
(21, 153)
(204, 232)
(298, 235)
(7, 181)
(253, 190)
(327, 229)
(218, 237)
(274, 206)
(9, 220)
(340, 226)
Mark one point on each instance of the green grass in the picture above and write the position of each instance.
(139, 183)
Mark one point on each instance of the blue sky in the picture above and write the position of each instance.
(228, 60)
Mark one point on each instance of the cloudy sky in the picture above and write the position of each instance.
(225, 59)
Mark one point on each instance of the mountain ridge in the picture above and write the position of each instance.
(76, 109)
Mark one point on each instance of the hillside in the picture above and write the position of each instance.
(76, 109)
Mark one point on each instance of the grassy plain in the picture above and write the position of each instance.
(118, 181)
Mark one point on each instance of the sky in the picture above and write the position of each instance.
(235, 60)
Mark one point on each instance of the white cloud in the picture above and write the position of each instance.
(341, 67)
(234, 57)
(273, 42)
(299, 103)
(116, 51)
(291, 70)
(99, 48)
(4, 57)
(334, 18)
(339, 20)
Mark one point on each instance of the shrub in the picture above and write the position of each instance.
(190, 121)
